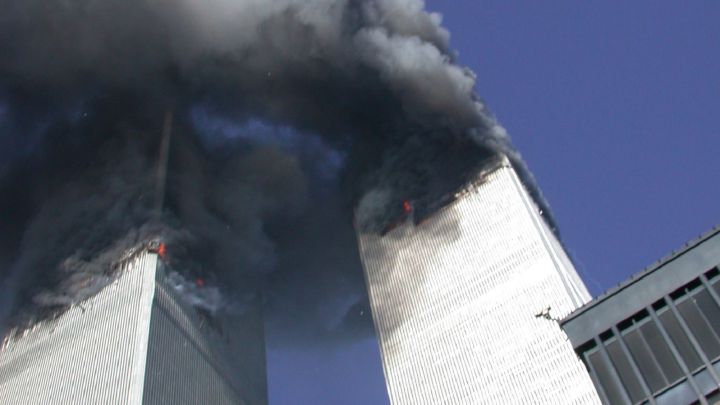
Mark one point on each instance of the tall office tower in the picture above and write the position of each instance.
(464, 303)
(137, 342)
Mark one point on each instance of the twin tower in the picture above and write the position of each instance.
(464, 303)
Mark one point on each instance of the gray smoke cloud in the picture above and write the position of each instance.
(289, 116)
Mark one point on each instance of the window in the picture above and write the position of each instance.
(710, 309)
(680, 339)
(661, 351)
(659, 304)
(699, 327)
(604, 374)
(705, 381)
(649, 368)
(712, 273)
(714, 398)
(714, 279)
(624, 369)
(679, 394)
(684, 290)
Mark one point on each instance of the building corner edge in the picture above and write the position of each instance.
(148, 265)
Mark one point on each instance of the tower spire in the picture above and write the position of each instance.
(161, 178)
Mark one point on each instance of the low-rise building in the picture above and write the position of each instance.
(655, 339)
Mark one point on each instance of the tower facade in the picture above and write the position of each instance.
(465, 302)
(137, 342)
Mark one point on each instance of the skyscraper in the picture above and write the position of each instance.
(137, 342)
(465, 302)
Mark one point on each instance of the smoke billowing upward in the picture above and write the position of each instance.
(288, 114)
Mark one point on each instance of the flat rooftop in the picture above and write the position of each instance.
(642, 289)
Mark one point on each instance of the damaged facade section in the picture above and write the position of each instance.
(137, 341)
(455, 297)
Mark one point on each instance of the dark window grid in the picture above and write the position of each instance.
(704, 317)
(644, 358)
(676, 354)
(633, 365)
(607, 335)
(667, 313)
(648, 351)
(714, 397)
(714, 294)
(661, 350)
(693, 340)
(713, 274)
(638, 318)
(613, 372)
(712, 314)
(659, 305)
(629, 378)
(699, 324)
(688, 288)
(638, 323)
(707, 287)
(684, 297)
(700, 329)
(655, 353)
(593, 374)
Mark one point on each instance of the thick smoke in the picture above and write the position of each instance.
(289, 116)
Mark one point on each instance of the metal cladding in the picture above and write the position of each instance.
(465, 303)
(133, 343)
(85, 356)
(655, 338)
(199, 359)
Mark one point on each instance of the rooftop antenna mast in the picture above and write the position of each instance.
(161, 179)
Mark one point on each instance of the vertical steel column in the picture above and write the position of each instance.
(633, 364)
(163, 161)
(649, 348)
(702, 315)
(593, 374)
(613, 372)
(711, 290)
(692, 338)
(677, 356)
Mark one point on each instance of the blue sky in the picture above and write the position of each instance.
(615, 107)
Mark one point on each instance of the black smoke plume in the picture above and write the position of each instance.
(294, 122)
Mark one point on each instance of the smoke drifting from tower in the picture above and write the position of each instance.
(288, 115)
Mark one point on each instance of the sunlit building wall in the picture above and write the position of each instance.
(137, 342)
(465, 302)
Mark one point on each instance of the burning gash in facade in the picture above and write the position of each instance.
(139, 341)
(464, 301)
(292, 120)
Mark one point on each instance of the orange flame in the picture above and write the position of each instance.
(200, 282)
(162, 251)
(407, 207)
